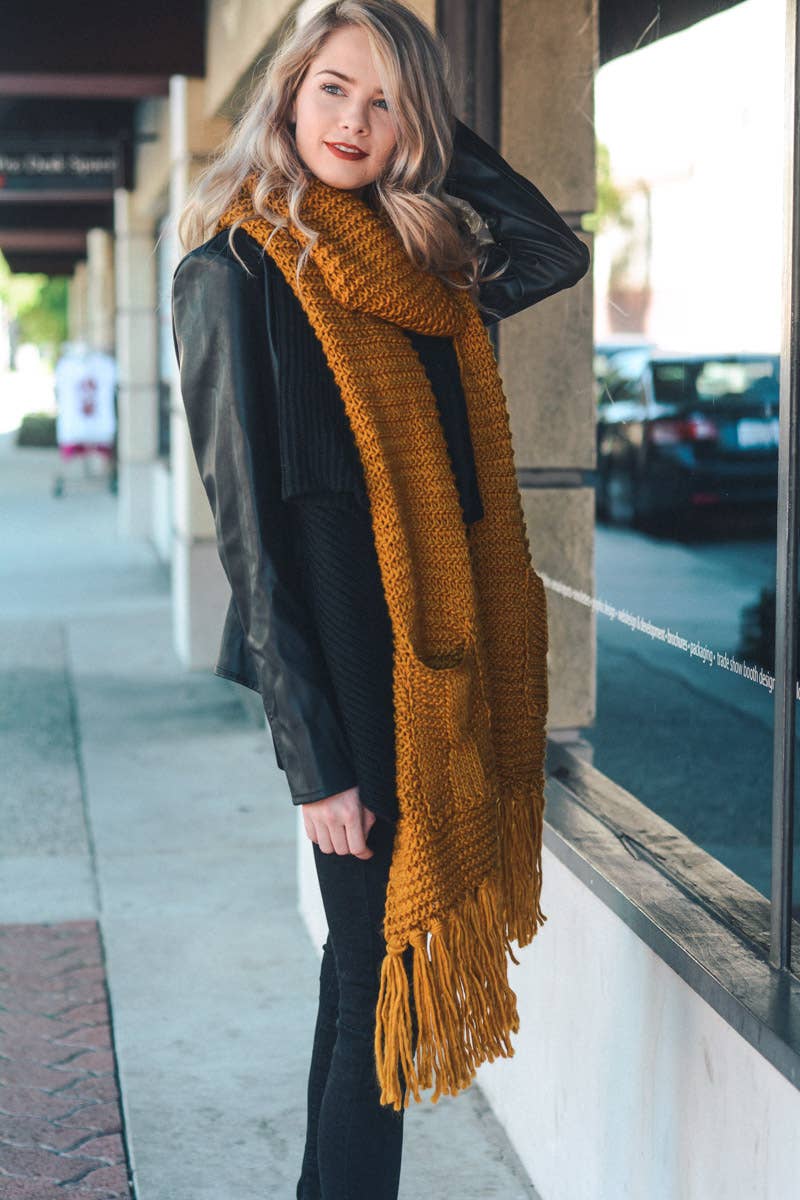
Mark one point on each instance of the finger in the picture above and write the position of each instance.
(324, 839)
(357, 841)
(339, 839)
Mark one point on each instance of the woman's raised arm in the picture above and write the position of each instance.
(545, 255)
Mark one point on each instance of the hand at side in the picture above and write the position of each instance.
(340, 823)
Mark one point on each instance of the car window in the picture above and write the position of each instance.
(711, 381)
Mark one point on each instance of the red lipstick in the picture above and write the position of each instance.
(353, 154)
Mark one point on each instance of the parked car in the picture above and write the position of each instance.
(679, 433)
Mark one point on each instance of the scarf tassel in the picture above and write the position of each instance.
(464, 1006)
(521, 817)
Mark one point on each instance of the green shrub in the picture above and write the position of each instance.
(37, 429)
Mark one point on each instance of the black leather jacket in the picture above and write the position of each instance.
(227, 348)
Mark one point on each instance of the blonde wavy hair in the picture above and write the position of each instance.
(438, 232)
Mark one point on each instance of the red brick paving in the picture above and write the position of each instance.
(60, 1115)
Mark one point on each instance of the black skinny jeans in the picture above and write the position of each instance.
(353, 1143)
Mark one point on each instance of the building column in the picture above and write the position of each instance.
(137, 378)
(547, 133)
(77, 303)
(100, 290)
(200, 592)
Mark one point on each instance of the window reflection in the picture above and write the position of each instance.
(688, 257)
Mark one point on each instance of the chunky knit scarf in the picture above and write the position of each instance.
(469, 623)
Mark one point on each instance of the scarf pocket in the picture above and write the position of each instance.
(451, 746)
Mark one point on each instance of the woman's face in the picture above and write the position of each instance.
(340, 101)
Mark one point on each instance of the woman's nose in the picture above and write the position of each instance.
(356, 122)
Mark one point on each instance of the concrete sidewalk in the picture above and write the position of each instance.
(146, 798)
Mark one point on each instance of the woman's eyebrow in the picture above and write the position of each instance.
(346, 78)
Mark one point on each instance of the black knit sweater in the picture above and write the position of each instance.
(317, 447)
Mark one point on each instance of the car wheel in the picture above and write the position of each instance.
(649, 517)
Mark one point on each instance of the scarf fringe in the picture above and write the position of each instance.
(464, 1005)
(521, 823)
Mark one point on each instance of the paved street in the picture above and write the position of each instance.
(157, 985)
(690, 739)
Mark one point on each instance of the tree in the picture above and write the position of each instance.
(37, 304)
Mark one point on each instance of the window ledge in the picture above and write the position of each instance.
(705, 922)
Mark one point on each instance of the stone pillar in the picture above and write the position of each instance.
(100, 290)
(137, 392)
(77, 322)
(200, 591)
(546, 351)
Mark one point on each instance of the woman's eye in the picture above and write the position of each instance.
(336, 85)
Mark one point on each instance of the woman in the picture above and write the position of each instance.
(349, 426)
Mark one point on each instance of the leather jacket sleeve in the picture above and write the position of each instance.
(219, 329)
(543, 253)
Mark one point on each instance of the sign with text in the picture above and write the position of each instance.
(37, 167)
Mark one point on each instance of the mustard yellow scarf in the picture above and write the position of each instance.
(469, 619)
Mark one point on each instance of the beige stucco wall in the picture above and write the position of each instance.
(240, 32)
